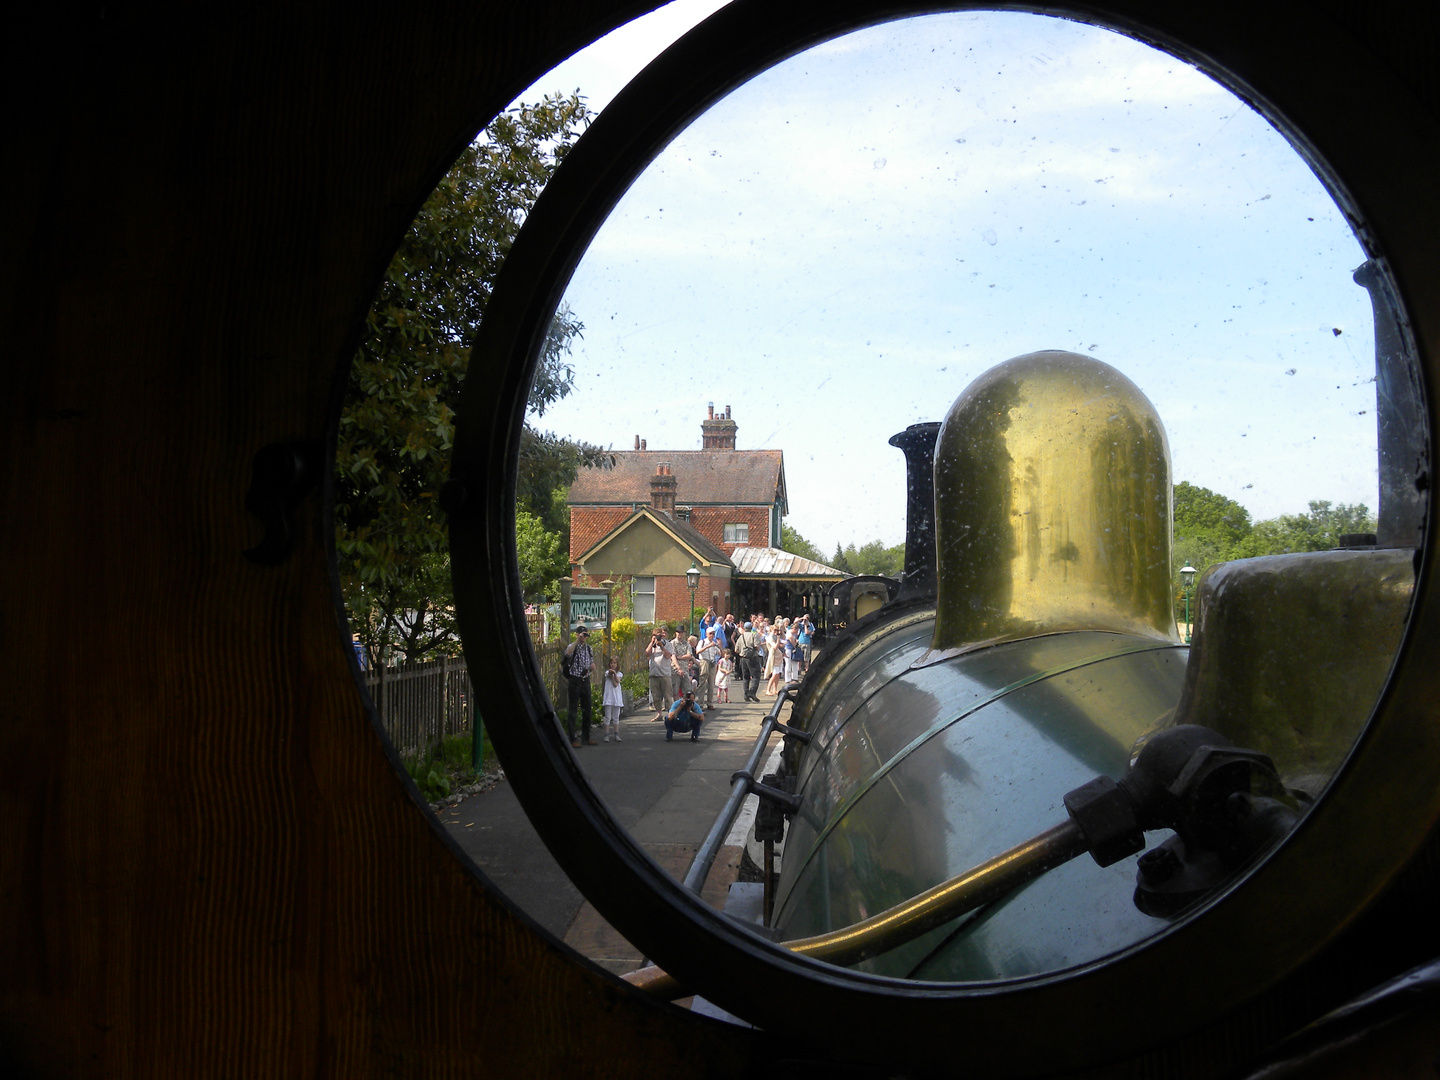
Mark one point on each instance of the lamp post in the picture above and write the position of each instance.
(609, 584)
(693, 577)
(1187, 578)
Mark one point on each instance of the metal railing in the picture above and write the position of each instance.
(743, 784)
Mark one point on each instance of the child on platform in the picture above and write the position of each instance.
(722, 680)
(614, 700)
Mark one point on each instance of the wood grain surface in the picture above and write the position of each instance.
(208, 865)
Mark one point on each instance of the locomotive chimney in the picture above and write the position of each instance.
(917, 442)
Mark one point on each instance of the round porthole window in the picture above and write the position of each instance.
(1040, 704)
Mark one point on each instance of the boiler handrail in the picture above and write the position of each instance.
(742, 784)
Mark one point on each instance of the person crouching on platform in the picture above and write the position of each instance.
(684, 716)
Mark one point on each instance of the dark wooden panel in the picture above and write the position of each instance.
(210, 866)
(207, 865)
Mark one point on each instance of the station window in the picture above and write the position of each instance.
(737, 533)
(644, 599)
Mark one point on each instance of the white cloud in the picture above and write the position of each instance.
(840, 247)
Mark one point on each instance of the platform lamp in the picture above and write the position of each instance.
(609, 584)
(1187, 578)
(692, 576)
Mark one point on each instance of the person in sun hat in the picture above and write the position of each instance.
(710, 650)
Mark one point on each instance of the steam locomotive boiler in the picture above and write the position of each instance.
(964, 757)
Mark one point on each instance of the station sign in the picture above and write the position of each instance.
(590, 605)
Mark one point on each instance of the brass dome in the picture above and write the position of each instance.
(1052, 505)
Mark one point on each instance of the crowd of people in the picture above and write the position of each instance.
(688, 670)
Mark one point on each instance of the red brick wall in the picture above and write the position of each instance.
(672, 594)
(672, 597)
(710, 522)
(588, 524)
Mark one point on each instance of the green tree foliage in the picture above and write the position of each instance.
(1211, 528)
(398, 421)
(1318, 530)
(871, 558)
(793, 542)
(543, 558)
(1203, 514)
(1208, 527)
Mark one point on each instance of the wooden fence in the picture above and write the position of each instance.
(420, 704)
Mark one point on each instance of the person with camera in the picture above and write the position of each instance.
(657, 653)
(710, 651)
(579, 664)
(806, 637)
(685, 715)
(680, 655)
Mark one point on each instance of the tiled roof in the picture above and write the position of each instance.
(692, 539)
(695, 540)
(768, 562)
(589, 526)
(715, 477)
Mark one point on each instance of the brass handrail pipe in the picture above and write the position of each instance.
(1225, 802)
(920, 914)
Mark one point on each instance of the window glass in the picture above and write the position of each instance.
(644, 600)
(859, 234)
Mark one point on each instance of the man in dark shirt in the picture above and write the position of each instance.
(579, 663)
(747, 647)
(732, 631)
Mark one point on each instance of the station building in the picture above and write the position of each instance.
(640, 526)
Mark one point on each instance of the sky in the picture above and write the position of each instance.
(840, 246)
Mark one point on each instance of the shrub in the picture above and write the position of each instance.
(445, 766)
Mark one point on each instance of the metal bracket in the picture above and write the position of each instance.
(788, 802)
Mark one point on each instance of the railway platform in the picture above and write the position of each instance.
(666, 794)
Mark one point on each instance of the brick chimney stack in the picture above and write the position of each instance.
(717, 432)
(662, 489)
